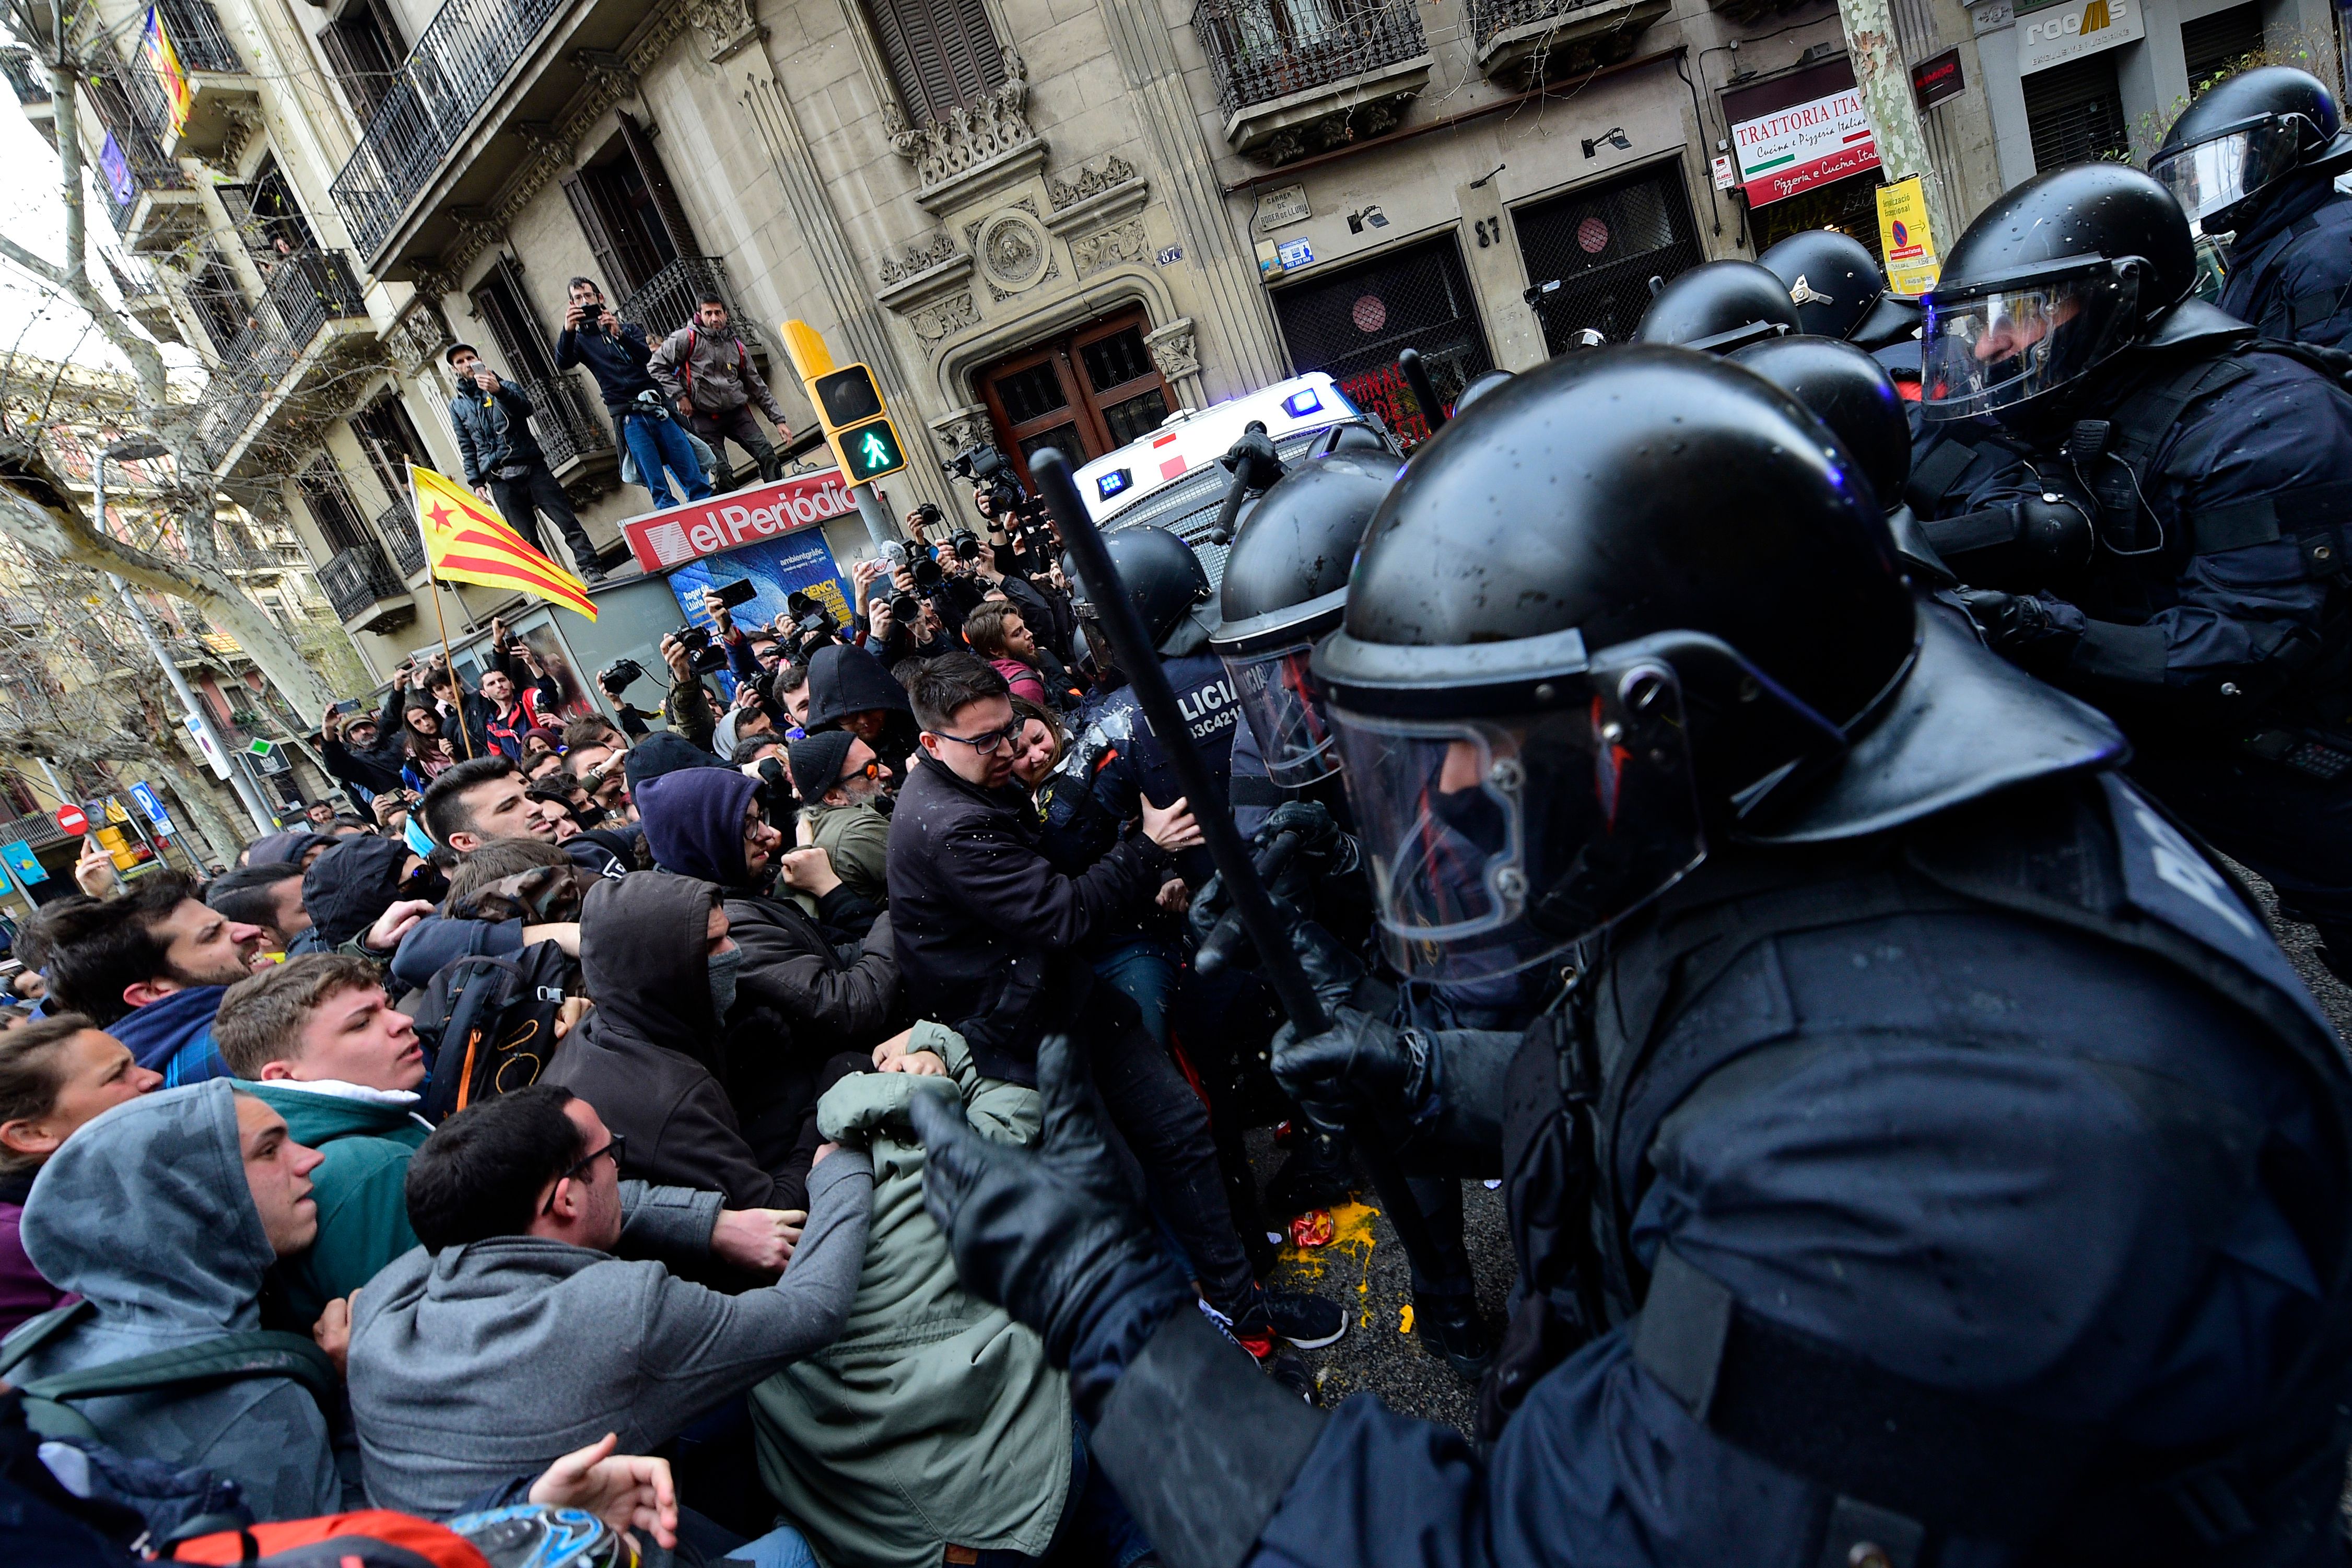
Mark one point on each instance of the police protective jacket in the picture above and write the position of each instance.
(2291, 270)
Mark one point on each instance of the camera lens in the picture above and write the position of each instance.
(927, 573)
(904, 607)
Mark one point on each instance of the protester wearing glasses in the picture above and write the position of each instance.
(533, 1241)
(839, 778)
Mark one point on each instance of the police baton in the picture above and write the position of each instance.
(1140, 658)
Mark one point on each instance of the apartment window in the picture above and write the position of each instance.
(333, 507)
(498, 302)
(390, 440)
(2075, 113)
(364, 48)
(266, 215)
(943, 53)
(2213, 46)
(630, 212)
(219, 299)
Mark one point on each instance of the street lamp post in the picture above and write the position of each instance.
(198, 714)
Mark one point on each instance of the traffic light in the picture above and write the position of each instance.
(868, 451)
(865, 442)
(847, 396)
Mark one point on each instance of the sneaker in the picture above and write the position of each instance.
(1306, 1322)
(1449, 1325)
(1292, 1374)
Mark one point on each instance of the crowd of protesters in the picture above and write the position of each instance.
(554, 1090)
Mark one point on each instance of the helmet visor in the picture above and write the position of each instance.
(2208, 176)
(1497, 844)
(1278, 700)
(1996, 349)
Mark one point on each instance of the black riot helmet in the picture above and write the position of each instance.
(1848, 391)
(1718, 306)
(1629, 604)
(2246, 134)
(2059, 275)
(1166, 582)
(1835, 281)
(1286, 583)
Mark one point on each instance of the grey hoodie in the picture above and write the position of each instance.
(145, 1211)
(491, 1360)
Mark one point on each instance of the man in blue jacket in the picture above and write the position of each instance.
(491, 418)
(615, 354)
(148, 968)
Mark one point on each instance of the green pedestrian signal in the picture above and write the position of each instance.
(869, 451)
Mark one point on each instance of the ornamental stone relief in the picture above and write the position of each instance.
(935, 323)
(1121, 244)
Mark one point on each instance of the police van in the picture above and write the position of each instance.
(1172, 479)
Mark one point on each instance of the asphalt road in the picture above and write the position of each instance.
(1364, 1268)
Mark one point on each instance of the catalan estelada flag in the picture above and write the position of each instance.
(165, 59)
(465, 541)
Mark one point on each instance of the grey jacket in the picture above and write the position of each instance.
(492, 1360)
(494, 430)
(145, 1211)
(712, 368)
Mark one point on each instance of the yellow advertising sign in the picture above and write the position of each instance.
(1904, 238)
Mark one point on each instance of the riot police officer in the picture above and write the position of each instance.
(2206, 602)
(1718, 306)
(1937, 1160)
(2256, 157)
(1839, 291)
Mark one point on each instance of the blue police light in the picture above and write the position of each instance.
(1112, 483)
(1302, 403)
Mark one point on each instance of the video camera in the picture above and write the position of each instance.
(704, 655)
(989, 469)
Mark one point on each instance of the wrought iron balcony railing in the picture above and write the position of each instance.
(356, 579)
(566, 420)
(1265, 49)
(303, 292)
(397, 523)
(668, 299)
(465, 53)
(197, 36)
(25, 77)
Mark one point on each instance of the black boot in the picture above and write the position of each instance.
(1449, 1325)
(1315, 1176)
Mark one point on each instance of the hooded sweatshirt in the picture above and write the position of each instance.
(145, 1212)
(488, 1361)
(367, 1136)
(843, 680)
(174, 1035)
(831, 997)
(650, 1055)
(348, 887)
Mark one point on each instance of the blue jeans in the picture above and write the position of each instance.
(1145, 971)
(656, 444)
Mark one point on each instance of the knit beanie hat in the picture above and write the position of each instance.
(817, 761)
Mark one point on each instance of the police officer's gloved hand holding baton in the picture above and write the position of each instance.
(1053, 1235)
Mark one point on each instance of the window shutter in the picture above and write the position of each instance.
(2074, 112)
(640, 145)
(500, 301)
(617, 284)
(943, 52)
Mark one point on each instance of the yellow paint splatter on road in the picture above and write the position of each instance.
(1352, 1232)
(1404, 1318)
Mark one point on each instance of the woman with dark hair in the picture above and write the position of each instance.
(1039, 745)
(429, 750)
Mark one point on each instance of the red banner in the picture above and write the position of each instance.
(661, 540)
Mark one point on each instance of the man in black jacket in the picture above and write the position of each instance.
(615, 354)
(491, 418)
(989, 938)
(362, 752)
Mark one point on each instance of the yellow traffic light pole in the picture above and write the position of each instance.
(812, 361)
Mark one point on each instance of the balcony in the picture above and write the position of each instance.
(1296, 76)
(397, 523)
(367, 597)
(1528, 41)
(149, 198)
(222, 98)
(286, 343)
(669, 299)
(30, 82)
(142, 295)
(570, 427)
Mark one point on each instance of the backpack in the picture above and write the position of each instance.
(489, 1026)
(228, 1358)
(373, 1537)
(686, 364)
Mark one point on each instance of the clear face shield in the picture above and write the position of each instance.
(2211, 176)
(1284, 711)
(1495, 843)
(1999, 346)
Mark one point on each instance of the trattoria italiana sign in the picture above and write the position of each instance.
(1807, 144)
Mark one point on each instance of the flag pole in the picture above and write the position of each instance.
(433, 586)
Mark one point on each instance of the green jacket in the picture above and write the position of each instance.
(857, 839)
(359, 1188)
(933, 1421)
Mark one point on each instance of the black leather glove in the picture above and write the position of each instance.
(1360, 1063)
(1053, 1234)
(2019, 625)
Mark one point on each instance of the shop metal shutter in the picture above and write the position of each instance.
(2212, 45)
(1352, 324)
(1603, 244)
(2075, 113)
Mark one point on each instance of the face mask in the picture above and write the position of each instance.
(724, 967)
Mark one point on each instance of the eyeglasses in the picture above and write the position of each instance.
(987, 745)
(618, 1148)
(874, 770)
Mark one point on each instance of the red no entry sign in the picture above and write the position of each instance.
(72, 820)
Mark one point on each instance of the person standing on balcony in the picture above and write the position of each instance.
(491, 417)
(706, 371)
(615, 354)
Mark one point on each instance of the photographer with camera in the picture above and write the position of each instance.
(615, 354)
(616, 677)
(691, 653)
